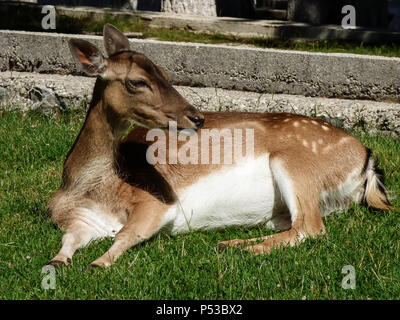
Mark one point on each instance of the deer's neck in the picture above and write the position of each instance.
(91, 159)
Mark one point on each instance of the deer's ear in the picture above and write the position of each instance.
(114, 40)
(163, 73)
(88, 57)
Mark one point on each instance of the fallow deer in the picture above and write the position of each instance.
(302, 168)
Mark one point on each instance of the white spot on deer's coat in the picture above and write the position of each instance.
(314, 147)
(325, 128)
(344, 140)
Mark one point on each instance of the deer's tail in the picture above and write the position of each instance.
(375, 192)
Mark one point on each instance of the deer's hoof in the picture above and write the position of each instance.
(60, 262)
(100, 263)
(221, 246)
(231, 243)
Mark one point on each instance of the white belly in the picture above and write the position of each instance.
(239, 195)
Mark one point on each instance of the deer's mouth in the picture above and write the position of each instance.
(169, 121)
(197, 121)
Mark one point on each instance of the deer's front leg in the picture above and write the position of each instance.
(142, 224)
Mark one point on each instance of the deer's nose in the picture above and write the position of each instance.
(199, 122)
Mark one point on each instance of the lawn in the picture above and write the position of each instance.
(33, 147)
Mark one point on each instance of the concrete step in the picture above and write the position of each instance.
(227, 67)
(55, 92)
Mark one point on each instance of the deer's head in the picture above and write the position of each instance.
(134, 88)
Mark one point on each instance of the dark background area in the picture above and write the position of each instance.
(383, 14)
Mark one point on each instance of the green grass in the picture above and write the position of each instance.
(27, 20)
(327, 46)
(187, 266)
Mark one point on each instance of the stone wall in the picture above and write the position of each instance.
(199, 7)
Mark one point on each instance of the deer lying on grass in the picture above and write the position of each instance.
(301, 169)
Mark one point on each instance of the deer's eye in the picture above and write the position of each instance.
(133, 85)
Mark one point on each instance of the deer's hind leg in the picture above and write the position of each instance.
(78, 235)
(302, 201)
(85, 226)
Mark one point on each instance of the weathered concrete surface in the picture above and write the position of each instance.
(226, 67)
(49, 93)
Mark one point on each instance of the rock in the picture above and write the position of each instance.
(44, 99)
(38, 93)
